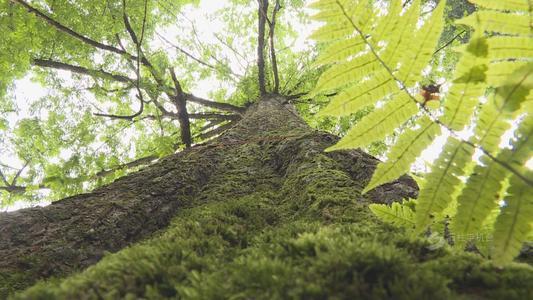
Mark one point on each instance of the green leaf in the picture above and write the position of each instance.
(378, 123)
(397, 214)
(441, 183)
(513, 225)
(404, 152)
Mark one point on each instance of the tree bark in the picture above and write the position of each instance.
(75, 232)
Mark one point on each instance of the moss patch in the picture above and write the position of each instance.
(291, 226)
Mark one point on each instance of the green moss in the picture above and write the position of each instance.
(305, 234)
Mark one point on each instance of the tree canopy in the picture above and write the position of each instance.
(131, 81)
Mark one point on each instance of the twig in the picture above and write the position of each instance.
(449, 42)
(187, 53)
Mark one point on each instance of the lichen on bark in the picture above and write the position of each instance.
(261, 212)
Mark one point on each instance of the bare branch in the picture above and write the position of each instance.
(272, 25)
(80, 70)
(211, 124)
(120, 117)
(216, 131)
(237, 54)
(16, 177)
(214, 116)
(183, 116)
(263, 6)
(3, 177)
(213, 104)
(135, 163)
(138, 68)
(15, 189)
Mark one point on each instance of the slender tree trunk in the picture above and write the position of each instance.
(271, 141)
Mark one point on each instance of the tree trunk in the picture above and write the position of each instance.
(268, 170)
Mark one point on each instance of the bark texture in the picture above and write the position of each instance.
(227, 198)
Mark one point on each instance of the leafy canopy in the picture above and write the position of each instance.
(127, 82)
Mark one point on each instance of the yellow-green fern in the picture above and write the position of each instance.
(377, 59)
(402, 215)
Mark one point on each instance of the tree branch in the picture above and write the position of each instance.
(19, 172)
(16, 189)
(135, 163)
(120, 117)
(214, 116)
(216, 131)
(263, 6)
(138, 68)
(80, 70)
(213, 104)
(4, 179)
(183, 115)
(211, 124)
(63, 28)
(272, 25)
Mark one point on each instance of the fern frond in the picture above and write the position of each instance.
(332, 31)
(378, 123)
(495, 21)
(500, 71)
(482, 191)
(468, 85)
(441, 183)
(388, 23)
(401, 37)
(505, 47)
(396, 214)
(337, 25)
(345, 73)
(380, 57)
(404, 152)
(479, 197)
(340, 51)
(513, 225)
(502, 107)
(513, 5)
(360, 95)
(484, 243)
(426, 38)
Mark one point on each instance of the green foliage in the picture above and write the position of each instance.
(379, 55)
(41, 133)
(398, 214)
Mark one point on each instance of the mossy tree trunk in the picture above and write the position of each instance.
(75, 232)
(253, 213)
